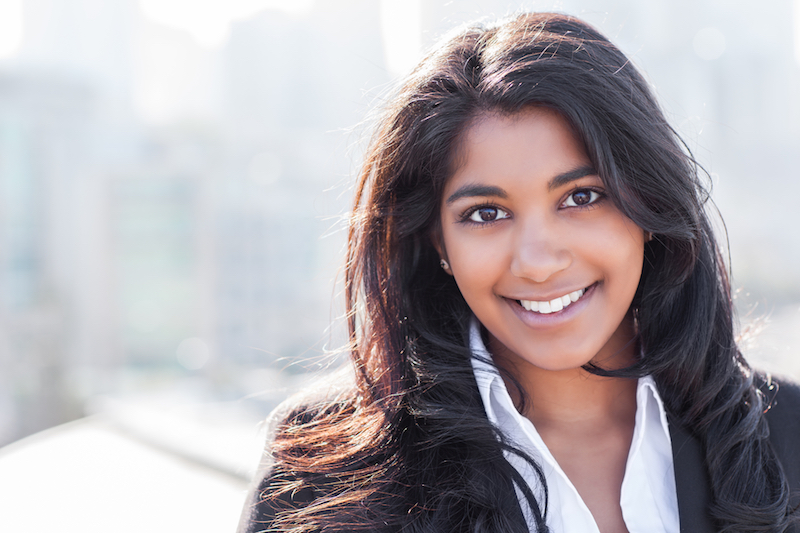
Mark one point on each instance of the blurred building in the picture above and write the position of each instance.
(45, 131)
(293, 85)
(133, 254)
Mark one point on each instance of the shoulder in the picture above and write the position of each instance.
(782, 396)
(272, 478)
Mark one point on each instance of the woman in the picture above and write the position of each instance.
(541, 324)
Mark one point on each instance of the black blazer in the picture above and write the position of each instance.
(691, 479)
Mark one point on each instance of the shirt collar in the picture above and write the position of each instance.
(648, 496)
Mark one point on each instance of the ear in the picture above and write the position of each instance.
(438, 243)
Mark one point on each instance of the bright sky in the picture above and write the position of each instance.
(10, 27)
(797, 30)
(402, 34)
(208, 21)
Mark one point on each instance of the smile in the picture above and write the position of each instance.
(554, 305)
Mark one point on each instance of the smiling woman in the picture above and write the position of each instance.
(541, 325)
(526, 219)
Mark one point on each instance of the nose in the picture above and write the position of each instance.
(539, 253)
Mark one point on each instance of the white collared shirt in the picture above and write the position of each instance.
(648, 497)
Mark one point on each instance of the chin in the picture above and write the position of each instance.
(561, 363)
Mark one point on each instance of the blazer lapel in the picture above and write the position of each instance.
(691, 483)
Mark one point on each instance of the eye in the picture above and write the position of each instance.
(581, 197)
(487, 214)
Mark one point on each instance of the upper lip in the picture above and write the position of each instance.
(552, 296)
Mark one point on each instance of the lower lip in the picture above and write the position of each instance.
(534, 319)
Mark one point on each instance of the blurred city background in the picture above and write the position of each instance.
(173, 179)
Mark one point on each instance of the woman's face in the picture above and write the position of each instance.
(544, 259)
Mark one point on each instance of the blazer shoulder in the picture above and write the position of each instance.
(782, 397)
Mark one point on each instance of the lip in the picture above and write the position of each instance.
(546, 298)
(537, 320)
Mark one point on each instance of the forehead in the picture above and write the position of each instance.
(535, 143)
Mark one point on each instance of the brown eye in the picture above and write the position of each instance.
(581, 197)
(487, 214)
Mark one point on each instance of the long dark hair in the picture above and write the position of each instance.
(411, 446)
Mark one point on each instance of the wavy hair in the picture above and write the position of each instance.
(410, 447)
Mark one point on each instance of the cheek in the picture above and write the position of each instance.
(477, 262)
(619, 245)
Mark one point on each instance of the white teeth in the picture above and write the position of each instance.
(554, 305)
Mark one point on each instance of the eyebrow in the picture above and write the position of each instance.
(468, 190)
(570, 176)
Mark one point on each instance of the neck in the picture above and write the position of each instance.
(576, 397)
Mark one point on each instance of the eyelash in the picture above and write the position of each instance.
(601, 195)
(465, 217)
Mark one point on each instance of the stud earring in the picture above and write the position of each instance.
(445, 265)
